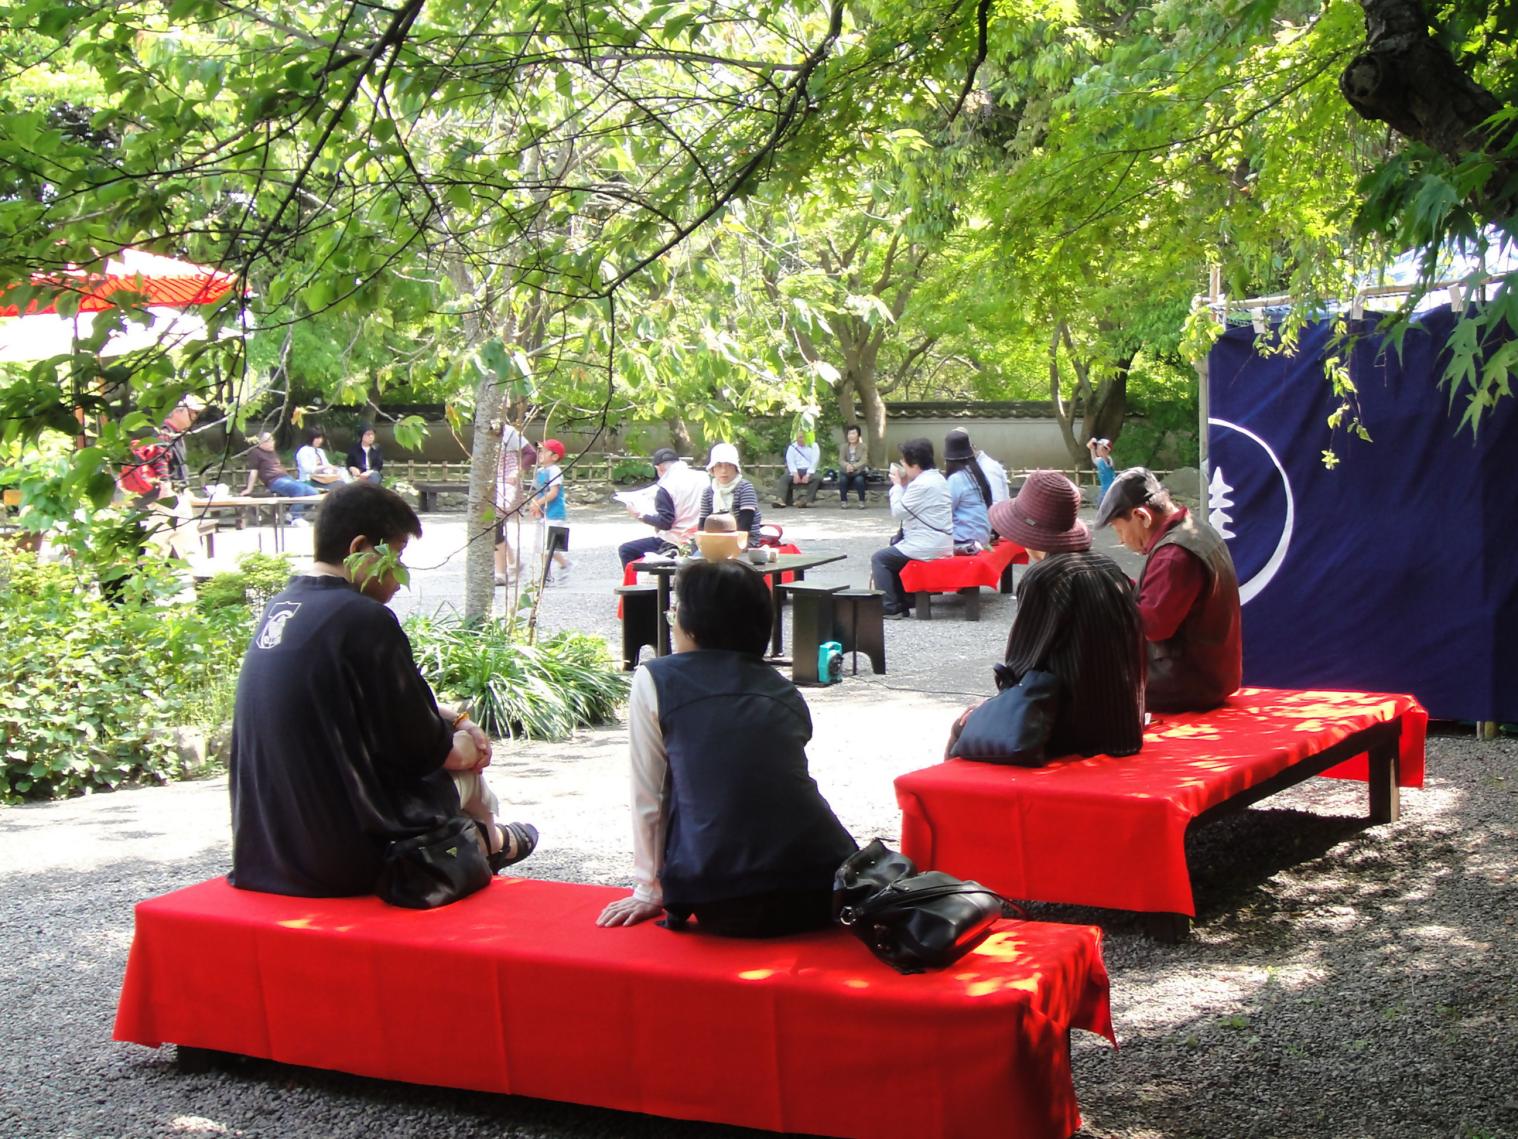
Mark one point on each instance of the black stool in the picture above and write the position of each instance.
(640, 620)
(859, 626)
(812, 624)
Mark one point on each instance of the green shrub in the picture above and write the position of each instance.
(89, 689)
(625, 471)
(514, 689)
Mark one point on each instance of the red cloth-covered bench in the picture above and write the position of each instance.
(515, 990)
(1111, 832)
(963, 575)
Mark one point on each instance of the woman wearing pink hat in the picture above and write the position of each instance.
(1076, 618)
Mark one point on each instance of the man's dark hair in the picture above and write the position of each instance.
(361, 509)
(314, 433)
(725, 605)
(918, 453)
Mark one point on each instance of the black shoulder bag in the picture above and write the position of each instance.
(1014, 725)
(913, 921)
(433, 869)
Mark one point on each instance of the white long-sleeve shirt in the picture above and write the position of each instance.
(650, 773)
(802, 457)
(925, 509)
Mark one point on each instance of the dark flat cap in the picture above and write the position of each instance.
(1133, 487)
(665, 455)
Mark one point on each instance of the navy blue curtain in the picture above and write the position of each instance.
(1395, 571)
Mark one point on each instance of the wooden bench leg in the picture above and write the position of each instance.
(923, 606)
(1006, 582)
(971, 594)
(1385, 798)
(1169, 928)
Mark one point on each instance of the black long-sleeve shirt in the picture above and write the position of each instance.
(337, 745)
(1077, 618)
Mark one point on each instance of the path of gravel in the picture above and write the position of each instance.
(1342, 980)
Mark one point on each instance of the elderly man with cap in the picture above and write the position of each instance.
(1188, 595)
(677, 507)
(1076, 618)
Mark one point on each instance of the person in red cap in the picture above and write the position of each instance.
(1076, 618)
(550, 507)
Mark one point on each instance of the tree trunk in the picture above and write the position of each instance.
(479, 556)
(1407, 79)
(679, 434)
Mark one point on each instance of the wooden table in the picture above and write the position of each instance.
(664, 572)
(248, 506)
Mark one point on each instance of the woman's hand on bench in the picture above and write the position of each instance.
(629, 911)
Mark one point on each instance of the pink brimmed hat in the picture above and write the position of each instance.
(1043, 515)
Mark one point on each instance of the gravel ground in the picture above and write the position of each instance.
(1343, 980)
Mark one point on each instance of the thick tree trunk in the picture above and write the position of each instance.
(479, 556)
(679, 435)
(1408, 80)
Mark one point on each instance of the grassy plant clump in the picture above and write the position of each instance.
(515, 689)
(90, 688)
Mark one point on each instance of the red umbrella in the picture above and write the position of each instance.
(163, 280)
(172, 288)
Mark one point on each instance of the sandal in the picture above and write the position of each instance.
(524, 836)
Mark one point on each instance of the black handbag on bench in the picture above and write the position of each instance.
(913, 921)
(433, 869)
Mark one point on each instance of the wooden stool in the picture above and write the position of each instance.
(811, 624)
(640, 620)
(859, 626)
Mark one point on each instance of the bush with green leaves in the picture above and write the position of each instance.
(89, 688)
(514, 689)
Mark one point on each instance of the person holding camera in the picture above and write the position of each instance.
(801, 479)
(921, 501)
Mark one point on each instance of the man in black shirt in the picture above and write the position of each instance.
(338, 745)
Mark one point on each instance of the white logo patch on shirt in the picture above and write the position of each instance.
(273, 631)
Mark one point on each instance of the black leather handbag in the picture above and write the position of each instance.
(913, 921)
(1014, 725)
(433, 869)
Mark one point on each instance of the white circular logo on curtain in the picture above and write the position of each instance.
(1240, 458)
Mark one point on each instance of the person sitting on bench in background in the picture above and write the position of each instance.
(265, 467)
(364, 458)
(1188, 595)
(1076, 618)
(920, 499)
(728, 824)
(677, 508)
(801, 478)
(338, 746)
(731, 493)
(969, 494)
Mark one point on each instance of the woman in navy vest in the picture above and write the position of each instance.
(728, 826)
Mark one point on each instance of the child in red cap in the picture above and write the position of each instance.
(550, 506)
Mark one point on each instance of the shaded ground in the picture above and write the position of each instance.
(1343, 980)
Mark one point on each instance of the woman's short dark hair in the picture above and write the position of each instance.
(854, 427)
(918, 453)
(724, 605)
(361, 509)
(313, 433)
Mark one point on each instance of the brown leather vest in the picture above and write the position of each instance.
(1201, 665)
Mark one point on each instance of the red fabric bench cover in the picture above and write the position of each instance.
(1111, 832)
(948, 575)
(515, 990)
